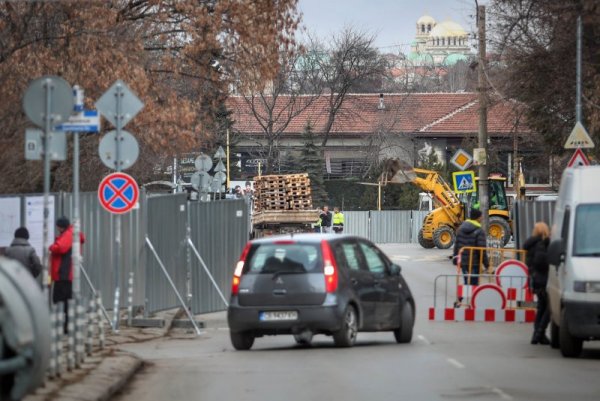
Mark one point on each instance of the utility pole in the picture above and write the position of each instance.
(483, 189)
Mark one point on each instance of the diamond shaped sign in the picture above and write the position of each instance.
(130, 103)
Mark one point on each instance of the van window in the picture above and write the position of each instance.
(587, 231)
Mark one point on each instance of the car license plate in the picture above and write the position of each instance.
(278, 316)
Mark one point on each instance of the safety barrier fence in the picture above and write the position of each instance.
(83, 333)
(499, 293)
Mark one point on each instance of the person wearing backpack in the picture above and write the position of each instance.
(537, 263)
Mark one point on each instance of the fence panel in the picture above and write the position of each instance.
(219, 230)
(167, 216)
(357, 223)
(417, 224)
(99, 249)
(390, 226)
(526, 213)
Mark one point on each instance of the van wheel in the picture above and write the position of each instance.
(425, 243)
(554, 336)
(570, 347)
(241, 341)
(403, 334)
(499, 229)
(346, 335)
(444, 237)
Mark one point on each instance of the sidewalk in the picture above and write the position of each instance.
(105, 372)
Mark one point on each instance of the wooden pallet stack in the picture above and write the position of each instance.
(282, 192)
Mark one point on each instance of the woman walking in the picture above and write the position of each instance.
(537, 262)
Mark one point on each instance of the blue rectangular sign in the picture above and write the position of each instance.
(87, 121)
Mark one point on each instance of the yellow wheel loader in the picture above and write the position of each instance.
(440, 225)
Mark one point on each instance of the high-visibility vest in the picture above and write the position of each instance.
(318, 223)
(338, 219)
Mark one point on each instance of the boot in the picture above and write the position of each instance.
(535, 338)
(544, 340)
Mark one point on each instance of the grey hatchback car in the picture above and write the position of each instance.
(309, 284)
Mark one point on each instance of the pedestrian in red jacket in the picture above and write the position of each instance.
(61, 266)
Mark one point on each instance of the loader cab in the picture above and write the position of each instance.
(497, 195)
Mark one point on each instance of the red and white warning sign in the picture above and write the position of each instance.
(488, 296)
(578, 159)
(512, 273)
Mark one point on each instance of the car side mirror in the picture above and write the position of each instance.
(556, 252)
(395, 270)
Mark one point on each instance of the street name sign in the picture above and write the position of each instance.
(86, 121)
(118, 193)
(579, 138)
(464, 181)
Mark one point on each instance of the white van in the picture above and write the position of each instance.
(574, 258)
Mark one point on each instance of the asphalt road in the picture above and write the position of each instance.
(446, 360)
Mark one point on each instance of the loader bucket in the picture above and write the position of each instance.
(398, 172)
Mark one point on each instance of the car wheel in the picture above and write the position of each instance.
(554, 336)
(570, 347)
(346, 335)
(444, 237)
(304, 338)
(403, 334)
(425, 243)
(241, 341)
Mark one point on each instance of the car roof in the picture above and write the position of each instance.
(303, 237)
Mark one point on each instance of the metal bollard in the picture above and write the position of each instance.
(91, 321)
(130, 300)
(52, 369)
(79, 331)
(102, 339)
(71, 335)
(60, 331)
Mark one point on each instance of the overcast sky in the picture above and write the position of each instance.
(393, 21)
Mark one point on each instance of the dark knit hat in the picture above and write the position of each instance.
(22, 232)
(475, 214)
(63, 222)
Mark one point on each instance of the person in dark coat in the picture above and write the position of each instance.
(537, 263)
(21, 251)
(326, 219)
(471, 234)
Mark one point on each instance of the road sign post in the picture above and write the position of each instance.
(47, 101)
(119, 105)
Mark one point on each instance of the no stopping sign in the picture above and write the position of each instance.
(118, 193)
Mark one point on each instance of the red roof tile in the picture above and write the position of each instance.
(430, 113)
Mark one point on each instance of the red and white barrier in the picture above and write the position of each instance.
(482, 315)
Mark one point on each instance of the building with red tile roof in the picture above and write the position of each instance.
(374, 126)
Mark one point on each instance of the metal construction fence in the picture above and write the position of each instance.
(526, 214)
(386, 226)
(197, 243)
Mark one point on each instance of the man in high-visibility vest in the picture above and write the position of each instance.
(338, 220)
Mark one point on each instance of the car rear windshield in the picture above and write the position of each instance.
(285, 258)
(587, 231)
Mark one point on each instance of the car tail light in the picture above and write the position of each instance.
(329, 267)
(237, 274)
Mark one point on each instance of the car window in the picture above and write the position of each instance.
(375, 263)
(351, 254)
(293, 258)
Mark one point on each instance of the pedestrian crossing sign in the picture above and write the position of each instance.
(464, 181)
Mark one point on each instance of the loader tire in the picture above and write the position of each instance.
(499, 229)
(425, 243)
(444, 237)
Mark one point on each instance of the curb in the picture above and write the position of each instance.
(111, 375)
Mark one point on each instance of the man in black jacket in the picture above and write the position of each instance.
(471, 234)
(21, 250)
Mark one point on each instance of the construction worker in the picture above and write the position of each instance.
(317, 225)
(338, 220)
